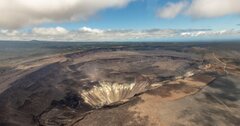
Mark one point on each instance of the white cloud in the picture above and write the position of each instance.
(50, 31)
(19, 13)
(92, 34)
(201, 8)
(171, 10)
(213, 8)
(210, 33)
(90, 30)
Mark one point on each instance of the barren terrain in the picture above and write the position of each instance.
(135, 84)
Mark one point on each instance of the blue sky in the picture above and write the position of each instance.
(142, 15)
(133, 19)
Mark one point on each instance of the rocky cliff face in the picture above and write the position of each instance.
(107, 93)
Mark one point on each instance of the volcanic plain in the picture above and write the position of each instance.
(124, 84)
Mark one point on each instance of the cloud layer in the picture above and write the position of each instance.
(171, 10)
(200, 8)
(93, 34)
(19, 13)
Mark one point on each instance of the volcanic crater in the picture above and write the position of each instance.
(64, 92)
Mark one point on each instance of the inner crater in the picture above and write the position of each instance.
(110, 93)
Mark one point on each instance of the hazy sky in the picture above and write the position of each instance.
(119, 20)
